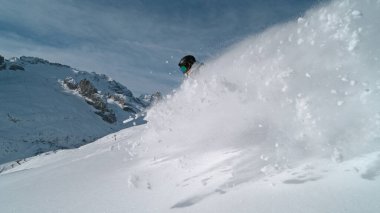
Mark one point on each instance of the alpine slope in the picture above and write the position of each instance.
(285, 121)
(48, 106)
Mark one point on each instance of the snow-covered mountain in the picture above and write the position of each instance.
(286, 121)
(48, 106)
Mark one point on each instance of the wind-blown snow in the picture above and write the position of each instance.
(303, 89)
(287, 121)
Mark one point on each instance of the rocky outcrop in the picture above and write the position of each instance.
(108, 116)
(118, 88)
(35, 60)
(70, 83)
(2, 63)
(16, 67)
(90, 93)
(86, 89)
(115, 93)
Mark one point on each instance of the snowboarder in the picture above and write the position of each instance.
(188, 65)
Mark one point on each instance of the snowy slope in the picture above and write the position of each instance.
(39, 113)
(287, 121)
(113, 176)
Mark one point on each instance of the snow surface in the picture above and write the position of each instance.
(287, 121)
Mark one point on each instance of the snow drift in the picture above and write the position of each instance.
(286, 121)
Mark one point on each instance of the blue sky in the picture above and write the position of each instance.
(136, 42)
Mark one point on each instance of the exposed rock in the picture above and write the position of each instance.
(16, 67)
(118, 98)
(97, 103)
(86, 88)
(70, 83)
(59, 65)
(90, 92)
(33, 60)
(120, 89)
(2, 63)
(108, 116)
(128, 108)
(117, 94)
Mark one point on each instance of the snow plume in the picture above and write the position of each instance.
(308, 88)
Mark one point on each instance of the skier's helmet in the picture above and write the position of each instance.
(186, 62)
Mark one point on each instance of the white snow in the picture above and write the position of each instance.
(232, 140)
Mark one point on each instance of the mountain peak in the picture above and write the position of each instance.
(50, 106)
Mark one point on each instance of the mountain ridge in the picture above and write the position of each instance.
(46, 106)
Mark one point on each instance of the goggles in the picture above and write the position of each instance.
(183, 69)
